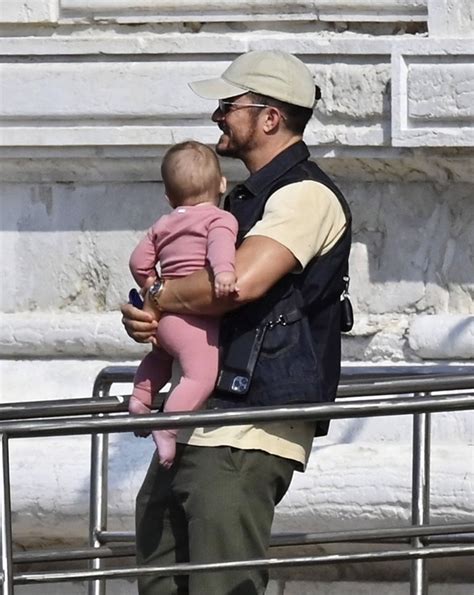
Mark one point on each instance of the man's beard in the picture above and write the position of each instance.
(237, 148)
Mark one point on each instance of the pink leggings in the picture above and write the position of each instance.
(193, 341)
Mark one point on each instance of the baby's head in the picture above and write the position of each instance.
(192, 175)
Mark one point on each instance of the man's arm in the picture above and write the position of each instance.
(300, 221)
(260, 262)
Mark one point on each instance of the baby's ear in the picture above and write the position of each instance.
(223, 185)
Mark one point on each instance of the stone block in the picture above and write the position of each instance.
(29, 11)
(70, 336)
(114, 90)
(443, 336)
(441, 92)
(433, 94)
(451, 18)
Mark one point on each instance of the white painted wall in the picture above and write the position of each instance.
(89, 105)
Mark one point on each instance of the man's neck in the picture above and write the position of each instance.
(262, 155)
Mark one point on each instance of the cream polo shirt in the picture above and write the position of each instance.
(307, 218)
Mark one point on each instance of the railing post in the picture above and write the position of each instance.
(7, 556)
(420, 495)
(98, 493)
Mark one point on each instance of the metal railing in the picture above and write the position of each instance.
(101, 415)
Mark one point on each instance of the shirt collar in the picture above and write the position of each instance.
(278, 166)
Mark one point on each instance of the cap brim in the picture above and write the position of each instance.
(216, 89)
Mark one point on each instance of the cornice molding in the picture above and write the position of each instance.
(199, 11)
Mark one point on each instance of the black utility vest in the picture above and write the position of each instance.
(300, 361)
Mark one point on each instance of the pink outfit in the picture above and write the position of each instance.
(185, 241)
(182, 242)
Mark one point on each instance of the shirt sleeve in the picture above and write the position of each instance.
(221, 238)
(306, 217)
(144, 258)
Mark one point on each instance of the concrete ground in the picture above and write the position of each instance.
(121, 587)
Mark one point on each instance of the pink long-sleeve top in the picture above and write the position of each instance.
(185, 241)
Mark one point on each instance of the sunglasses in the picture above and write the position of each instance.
(230, 106)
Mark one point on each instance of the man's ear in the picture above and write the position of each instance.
(273, 118)
(223, 185)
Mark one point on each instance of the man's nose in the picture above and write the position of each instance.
(217, 115)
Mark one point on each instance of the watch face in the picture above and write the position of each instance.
(155, 288)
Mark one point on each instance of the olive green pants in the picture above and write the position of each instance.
(215, 504)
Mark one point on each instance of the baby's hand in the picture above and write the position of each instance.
(225, 284)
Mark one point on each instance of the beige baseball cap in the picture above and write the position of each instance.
(272, 73)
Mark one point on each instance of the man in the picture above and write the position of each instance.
(217, 501)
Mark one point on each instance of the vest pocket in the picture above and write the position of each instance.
(290, 340)
(287, 369)
(280, 340)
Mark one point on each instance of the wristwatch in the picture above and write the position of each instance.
(155, 291)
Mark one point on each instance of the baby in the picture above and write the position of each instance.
(197, 233)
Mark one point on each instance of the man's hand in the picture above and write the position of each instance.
(140, 325)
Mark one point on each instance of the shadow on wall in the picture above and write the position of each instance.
(410, 231)
(412, 244)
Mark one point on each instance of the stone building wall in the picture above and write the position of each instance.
(93, 93)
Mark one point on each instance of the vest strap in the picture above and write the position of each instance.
(285, 319)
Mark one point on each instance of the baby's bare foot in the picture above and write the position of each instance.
(136, 407)
(165, 441)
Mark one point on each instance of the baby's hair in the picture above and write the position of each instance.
(191, 173)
